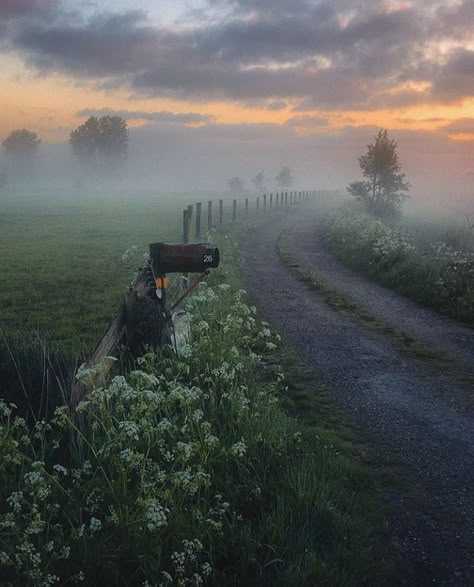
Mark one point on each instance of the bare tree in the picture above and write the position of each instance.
(259, 181)
(285, 178)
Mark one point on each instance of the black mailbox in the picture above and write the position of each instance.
(183, 258)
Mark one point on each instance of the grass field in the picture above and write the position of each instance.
(62, 273)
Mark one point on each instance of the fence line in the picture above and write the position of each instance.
(263, 204)
(122, 329)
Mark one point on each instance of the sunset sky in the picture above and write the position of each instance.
(309, 74)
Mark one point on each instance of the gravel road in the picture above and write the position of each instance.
(409, 414)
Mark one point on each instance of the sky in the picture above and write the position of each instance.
(230, 85)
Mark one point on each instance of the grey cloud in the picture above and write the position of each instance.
(10, 9)
(228, 59)
(161, 116)
(455, 79)
(308, 121)
(460, 126)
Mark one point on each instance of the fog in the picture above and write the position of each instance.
(173, 158)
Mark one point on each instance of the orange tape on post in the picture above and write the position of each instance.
(161, 282)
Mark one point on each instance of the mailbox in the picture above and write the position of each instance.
(183, 258)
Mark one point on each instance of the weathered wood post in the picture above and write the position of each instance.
(291, 198)
(246, 207)
(234, 210)
(221, 210)
(198, 220)
(286, 198)
(264, 202)
(209, 215)
(258, 204)
(186, 226)
(271, 201)
(299, 196)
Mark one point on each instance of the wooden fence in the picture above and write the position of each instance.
(121, 333)
(241, 208)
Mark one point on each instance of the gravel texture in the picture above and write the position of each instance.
(409, 414)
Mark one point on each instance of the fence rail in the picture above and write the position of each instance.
(242, 208)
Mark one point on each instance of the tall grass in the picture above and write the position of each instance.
(433, 273)
(184, 470)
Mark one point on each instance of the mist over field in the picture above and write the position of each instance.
(174, 158)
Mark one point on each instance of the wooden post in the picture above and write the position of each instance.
(234, 211)
(186, 225)
(300, 196)
(271, 201)
(264, 202)
(286, 198)
(291, 198)
(246, 207)
(258, 203)
(221, 210)
(209, 215)
(198, 220)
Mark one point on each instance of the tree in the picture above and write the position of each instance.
(384, 189)
(101, 141)
(285, 178)
(236, 186)
(258, 181)
(21, 143)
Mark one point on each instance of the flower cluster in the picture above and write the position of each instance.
(150, 468)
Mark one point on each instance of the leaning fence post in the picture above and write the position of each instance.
(221, 210)
(234, 210)
(186, 225)
(198, 219)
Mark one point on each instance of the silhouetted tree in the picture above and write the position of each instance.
(101, 142)
(259, 181)
(236, 186)
(285, 178)
(21, 143)
(384, 189)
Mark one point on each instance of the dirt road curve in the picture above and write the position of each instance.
(410, 413)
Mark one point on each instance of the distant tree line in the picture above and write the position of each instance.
(284, 180)
(100, 144)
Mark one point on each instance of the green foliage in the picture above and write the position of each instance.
(21, 143)
(184, 471)
(101, 142)
(385, 188)
(436, 275)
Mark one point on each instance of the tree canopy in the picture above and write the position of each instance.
(384, 189)
(101, 141)
(21, 143)
(285, 178)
